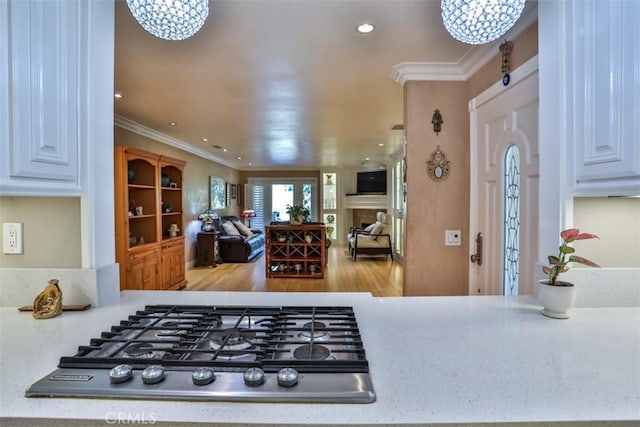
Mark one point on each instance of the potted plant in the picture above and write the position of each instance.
(297, 214)
(557, 296)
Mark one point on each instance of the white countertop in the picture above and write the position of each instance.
(432, 360)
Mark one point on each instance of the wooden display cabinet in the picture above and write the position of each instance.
(295, 251)
(149, 199)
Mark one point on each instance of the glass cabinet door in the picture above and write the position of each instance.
(330, 204)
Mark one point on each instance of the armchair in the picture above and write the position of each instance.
(372, 240)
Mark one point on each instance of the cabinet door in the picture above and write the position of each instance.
(207, 249)
(40, 102)
(144, 271)
(173, 273)
(144, 276)
(604, 89)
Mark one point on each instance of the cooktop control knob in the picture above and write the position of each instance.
(120, 374)
(203, 376)
(253, 376)
(287, 377)
(153, 374)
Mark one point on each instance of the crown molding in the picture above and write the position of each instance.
(475, 58)
(137, 128)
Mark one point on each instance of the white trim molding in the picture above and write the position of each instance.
(475, 58)
(137, 128)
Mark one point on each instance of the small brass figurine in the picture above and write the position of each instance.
(48, 303)
(437, 122)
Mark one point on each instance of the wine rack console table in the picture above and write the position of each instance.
(295, 251)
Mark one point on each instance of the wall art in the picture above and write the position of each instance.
(217, 193)
(438, 165)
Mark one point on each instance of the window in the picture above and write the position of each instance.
(511, 220)
(269, 197)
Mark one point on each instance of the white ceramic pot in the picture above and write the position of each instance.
(556, 299)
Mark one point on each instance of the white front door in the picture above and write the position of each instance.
(504, 185)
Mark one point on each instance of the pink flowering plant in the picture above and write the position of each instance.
(560, 263)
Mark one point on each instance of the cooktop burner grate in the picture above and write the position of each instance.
(230, 338)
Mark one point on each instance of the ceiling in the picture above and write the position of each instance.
(281, 83)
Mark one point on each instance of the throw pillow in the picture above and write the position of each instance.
(374, 232)
(230, 229)
(377, 229)
(243, 229)
(369, 227)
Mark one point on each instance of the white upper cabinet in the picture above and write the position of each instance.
(603, 88)
(40, 102)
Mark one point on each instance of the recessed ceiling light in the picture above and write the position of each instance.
(381, 144)
(239, 158)
(205, 139)
(118, 95)
(224, 149)
(250, 164)
(367, 159)
(172, 123)
(365, 28)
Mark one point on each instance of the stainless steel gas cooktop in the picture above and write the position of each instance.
(227, 353)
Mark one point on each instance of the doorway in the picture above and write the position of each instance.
(504, 185)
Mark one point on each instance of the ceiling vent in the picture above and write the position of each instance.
(398, 126)
(217, 147)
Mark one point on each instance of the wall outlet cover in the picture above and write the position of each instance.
(12, 238)
(452, 237)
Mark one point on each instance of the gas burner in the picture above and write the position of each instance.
(311, 352)
(317, 331)
(231, 339)
(140, 351)
(172, 329)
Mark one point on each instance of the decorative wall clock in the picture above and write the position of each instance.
(438, 166)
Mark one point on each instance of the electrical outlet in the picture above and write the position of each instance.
(452, 237)
(12, 238)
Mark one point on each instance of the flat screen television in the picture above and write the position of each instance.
(373, 182)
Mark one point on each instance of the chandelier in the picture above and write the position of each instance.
(480, 21)
(170, 19)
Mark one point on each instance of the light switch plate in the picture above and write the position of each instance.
(12, 238)
(452, 237)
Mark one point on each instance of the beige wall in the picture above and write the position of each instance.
(51, 231)
(616, 221)
(195, 180)
(432, 207)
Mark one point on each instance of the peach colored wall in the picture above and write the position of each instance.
(525, 47)
(430, 267)
(432, 207)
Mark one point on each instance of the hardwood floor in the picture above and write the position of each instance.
(375, 274)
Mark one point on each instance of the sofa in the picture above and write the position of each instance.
(236, 242)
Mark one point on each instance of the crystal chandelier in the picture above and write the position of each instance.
(480, 21)
(170, 19)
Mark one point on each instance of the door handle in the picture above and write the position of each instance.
(477, 257)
